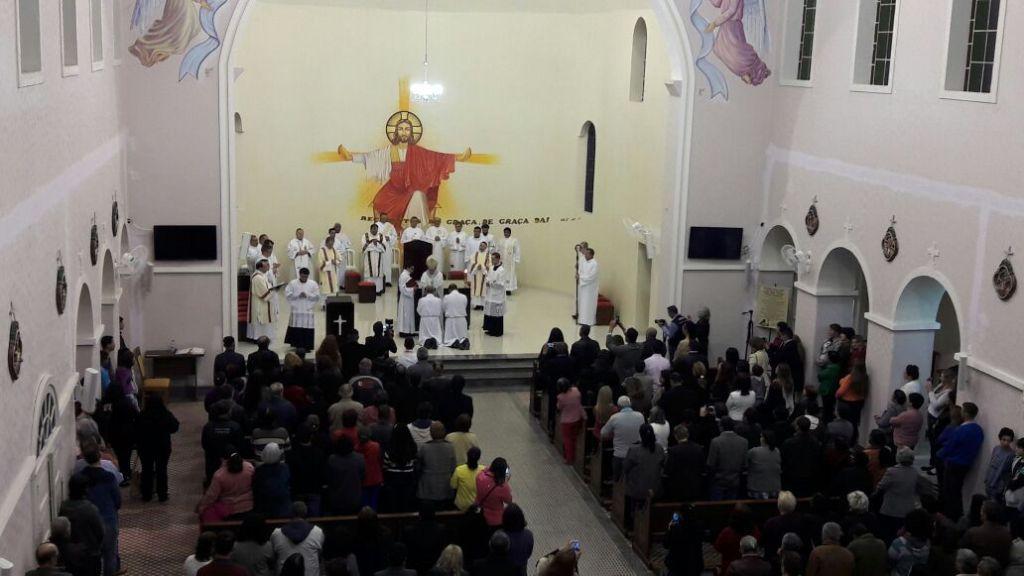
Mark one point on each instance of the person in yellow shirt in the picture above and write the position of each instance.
(464, 479)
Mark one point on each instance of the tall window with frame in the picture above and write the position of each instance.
(982, 34)
(30, 50)
(803, 69)
(881, 54)
(96, 23)
(591, 157)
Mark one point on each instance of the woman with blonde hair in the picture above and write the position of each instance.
(604, 407)
(449, 563)
(700, 375)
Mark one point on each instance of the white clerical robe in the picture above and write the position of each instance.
(473, 246)
(410, 234)
(489, 238)
(271, 281)
(328, 267)
(437, 236)
(477, 273)
(455, 329)
(509, 250)
(304, 261)
(588, 285)
(456, 250)
(429, 309)
(342, 245)
(494, 297)
(373, 259)
(302, 298)
(433, 280)
(262, 314)
(391, 237)
(252, 254)
(406, 304)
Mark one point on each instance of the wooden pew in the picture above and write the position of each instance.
(394, 522)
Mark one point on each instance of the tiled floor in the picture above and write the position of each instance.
(156, 538)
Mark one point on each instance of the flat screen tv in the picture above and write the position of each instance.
(184, 242)
(707, 243)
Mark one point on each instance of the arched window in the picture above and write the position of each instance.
(590, 134)
(638, 68)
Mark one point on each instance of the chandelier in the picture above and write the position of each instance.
(426, 91)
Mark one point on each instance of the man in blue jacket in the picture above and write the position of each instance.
(959, 455)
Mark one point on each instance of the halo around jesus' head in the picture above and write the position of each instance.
(404, 127)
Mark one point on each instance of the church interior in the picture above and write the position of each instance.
(682, 198)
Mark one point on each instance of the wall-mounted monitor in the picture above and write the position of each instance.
(712, 243)
(184, 243)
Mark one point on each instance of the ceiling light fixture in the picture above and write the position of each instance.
(426, 91)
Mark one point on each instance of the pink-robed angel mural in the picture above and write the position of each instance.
(732, 35)
(169, 27)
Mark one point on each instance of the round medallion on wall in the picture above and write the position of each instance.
(115, 219)
(1005, 280)
(62, 289)
(890, 244)
(47, 420)
(811, 220)
(94, 245)
(14, 350)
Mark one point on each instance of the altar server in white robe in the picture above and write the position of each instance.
(262, 313)
(473, 243)
(432, 277)
(479, 266)
(343, 246)
(437, 235)
(300, 250)
(508, 247)
(455, 329)
(430, 308)
(387, 229)
(456, 243)
(485, 234)
(587, 278)
(406, 303)
(373, 257)
(495, 297)
(328, 265)
(303, 295)
(413, 231)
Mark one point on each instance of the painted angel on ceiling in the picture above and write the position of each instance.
(732, 35)
(169, 27)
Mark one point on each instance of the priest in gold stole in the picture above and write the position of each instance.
(328, 265)
(479, 266)
(262, 312)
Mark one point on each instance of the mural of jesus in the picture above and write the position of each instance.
(411, 174)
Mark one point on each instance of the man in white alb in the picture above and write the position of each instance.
(429, 308)
(485, 233)
(262, 313)
(301, 251)
(473, 244)
(455, 329)
(413, 231)
(343, 246)
(457, 248)
(252, 253)
(437, 235)
(406, 303)
(432, 276)
(373, 258)
(266, 253)
(495, 298)
(479, 266)
(508, 247)
(303, 295)
(387, 229)
(328, 265)
(587, 279)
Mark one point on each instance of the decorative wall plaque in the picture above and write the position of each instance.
(890, 243)
(47, 419)
(62, 286)
(14, 350)
(115, 219)
(1005, 280)
(811, 219)
(94, 242)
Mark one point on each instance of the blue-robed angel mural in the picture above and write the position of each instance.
(732, 35)
(168, 27)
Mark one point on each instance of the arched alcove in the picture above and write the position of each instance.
(638, 63)
(842, 290)
(926, 313)
(588, 140)
(108, 306)
(773, 271)
(85, 332)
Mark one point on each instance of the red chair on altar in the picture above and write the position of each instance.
(352, 280)
(605, 310)
(456, 275)
(367, 292)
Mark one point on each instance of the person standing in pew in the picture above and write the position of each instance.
(684, 467)
(623, 429)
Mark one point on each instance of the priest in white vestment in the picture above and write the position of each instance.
(406, 303)
(486, 236)
(476, 274)
(455, 327)
(432, 277)
(473, 243)
(328, 265)
(343, 246)
(413, 231)
(300, 250)
(303, 295)
(508, 247)
(587, 279)
(495, 298)
(252, 253)
(266, 253)
(373, 258)
(429, 308)
(262, 313)
(387, 230)
(456, 243)
(437, 235)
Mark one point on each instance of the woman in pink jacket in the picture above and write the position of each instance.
(230, 491)
(493, 492)
(571, 417)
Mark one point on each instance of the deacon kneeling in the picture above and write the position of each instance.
(429, 308)
(455, 328)
(406, 303)
(303, 295)
(495, 297)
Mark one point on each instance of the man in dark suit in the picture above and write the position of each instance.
(801, 460)
(47, 559)
(229, 360)
(264, 359)
(682, 396)
(684, 468)
(584, 351)
(789, 353)
(626, 355)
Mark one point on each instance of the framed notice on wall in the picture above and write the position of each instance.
(772, 306)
